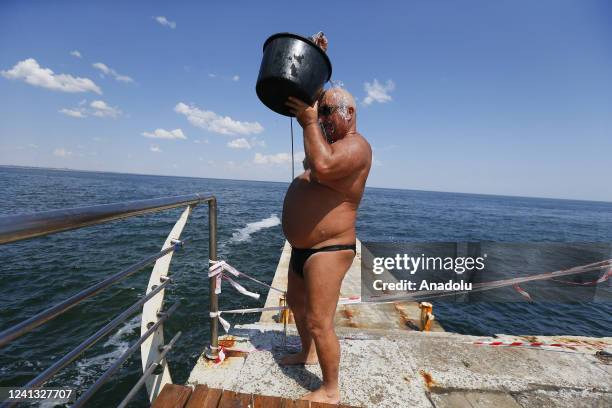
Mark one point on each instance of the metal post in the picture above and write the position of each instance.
(213, 350)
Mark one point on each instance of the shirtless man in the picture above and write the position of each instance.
(319, 222)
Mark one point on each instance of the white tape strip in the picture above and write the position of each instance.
(216, 268)
(226, 325)
(241, 288)
(218, 283)
(229, 268)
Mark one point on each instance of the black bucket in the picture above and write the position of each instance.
(292, 65)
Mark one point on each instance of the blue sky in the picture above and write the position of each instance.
(497, 97)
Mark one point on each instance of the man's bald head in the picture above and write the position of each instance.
(337, 113)
(340, 98)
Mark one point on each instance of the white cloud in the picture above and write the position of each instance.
(75, 113)
(241, 143)
(106, 70)
(155, 149)
(216, 123)
(102, 110)
(76, 54)
(29, 71)
(61, 152)
(377, 92)
(256, 142)
(102, 67)
(165, 22)
(98, 108)
(278, 158)
(165, 134)
(234, 78)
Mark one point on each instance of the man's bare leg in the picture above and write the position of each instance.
(296, 299)
(324, 272)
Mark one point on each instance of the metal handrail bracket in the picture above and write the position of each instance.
(20, 227)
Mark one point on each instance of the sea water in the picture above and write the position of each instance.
(40, 272)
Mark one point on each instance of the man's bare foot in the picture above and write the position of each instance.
(326, 395)
(299, 358)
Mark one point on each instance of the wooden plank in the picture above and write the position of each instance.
(172, 396)
(245, 399)
(198, 396)
(297, 404)
(204, 397)
(227, 399)
(322, 405)
(264, 401)
(231, 399)
(212, 398)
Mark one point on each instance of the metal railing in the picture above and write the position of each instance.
(21, 227)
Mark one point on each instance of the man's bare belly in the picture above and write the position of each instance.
(315, 215)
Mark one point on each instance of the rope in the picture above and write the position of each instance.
(292, 156)
(343, 301)
(217, 268)
(356, 300)
(479, 287)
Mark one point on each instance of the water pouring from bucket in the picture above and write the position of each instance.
(292, 65)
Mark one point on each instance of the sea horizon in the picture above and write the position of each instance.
(16, 166)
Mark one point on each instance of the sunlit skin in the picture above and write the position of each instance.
(320, 209)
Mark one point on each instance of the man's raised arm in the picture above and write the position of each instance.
(327, 162)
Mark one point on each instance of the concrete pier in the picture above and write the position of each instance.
(385, 363)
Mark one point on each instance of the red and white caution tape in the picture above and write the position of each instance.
(479, 287)
(350, 300)
(532, 344)
(220, 356)
(216, 271)
(217, 267)
(604, 277)
(523, 292)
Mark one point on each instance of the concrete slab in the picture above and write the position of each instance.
(453, 362)
(395, 368)
(565, 398)
(385, 363)
(364, 370)
(459, 399)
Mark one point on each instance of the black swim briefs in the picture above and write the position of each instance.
(300, 255)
